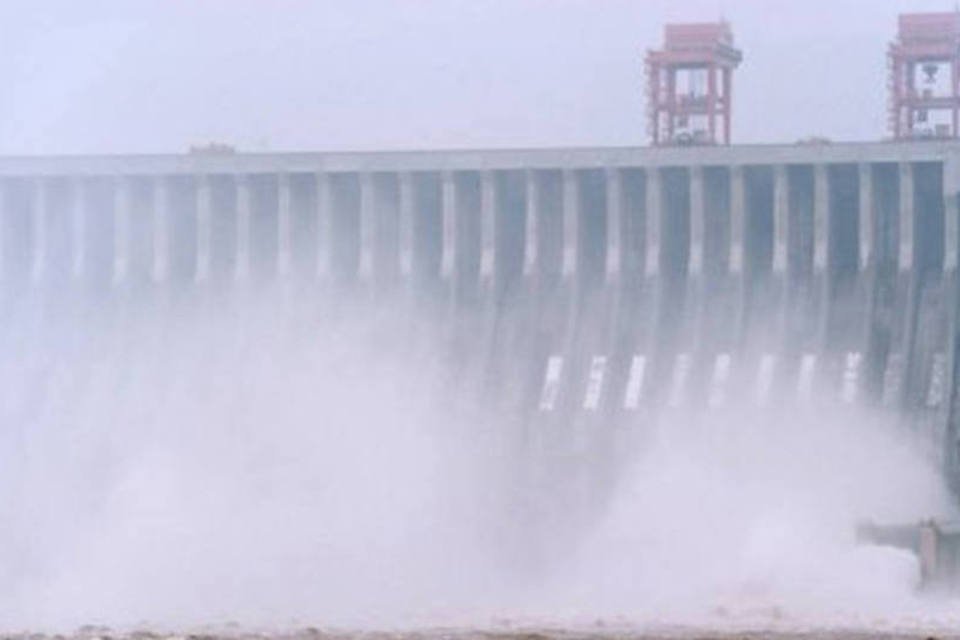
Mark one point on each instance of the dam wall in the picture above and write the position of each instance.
(600, 284)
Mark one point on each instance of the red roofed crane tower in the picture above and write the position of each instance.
(925, 105)
(689, 84)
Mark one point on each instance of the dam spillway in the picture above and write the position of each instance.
(593, 286)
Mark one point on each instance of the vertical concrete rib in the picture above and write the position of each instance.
(78, 223)
(123, 206)
(821, 250)
(867, 222)
(467, 248)
(39, 221)
(781, 206)
(511, 209)
(550, 241)
(406, 224)
(757, 326)
(284, 225)
(738, 203)
(675, 225)
(593, 208)
(698, 222)
(716, 221)
(346, 198)
(4, 209)
(223, 228)
(906, 216)
(883, 302)
(840, 328)
(760, 230)
(204, 227)
(244, 226)
(951, 230)
(800, 235)
(615, 225)
(264, 226)
(98, 232)
(16, 223)
(571, 223)
(672, 321)
(138, 253)
(928, 227)
(924, 322)
(181, 224)
(448, 213)
(488, 225)
(324, 227)
(715, 312)
(633, 233)
(161, 229)
(654, 199)
(531, 249)
(368, 228)
(427, 231)
(821, 217)
(386, 231)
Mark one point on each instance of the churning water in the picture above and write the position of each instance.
(281, 457)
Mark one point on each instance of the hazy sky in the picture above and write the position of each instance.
(159, 75)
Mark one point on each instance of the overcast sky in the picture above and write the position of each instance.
(160, 75)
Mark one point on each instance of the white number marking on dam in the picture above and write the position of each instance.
(634, 391)
(551, 383)
(598, 366)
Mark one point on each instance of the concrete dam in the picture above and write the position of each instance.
(594, 288)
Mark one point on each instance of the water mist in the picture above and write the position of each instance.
(282, 459)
